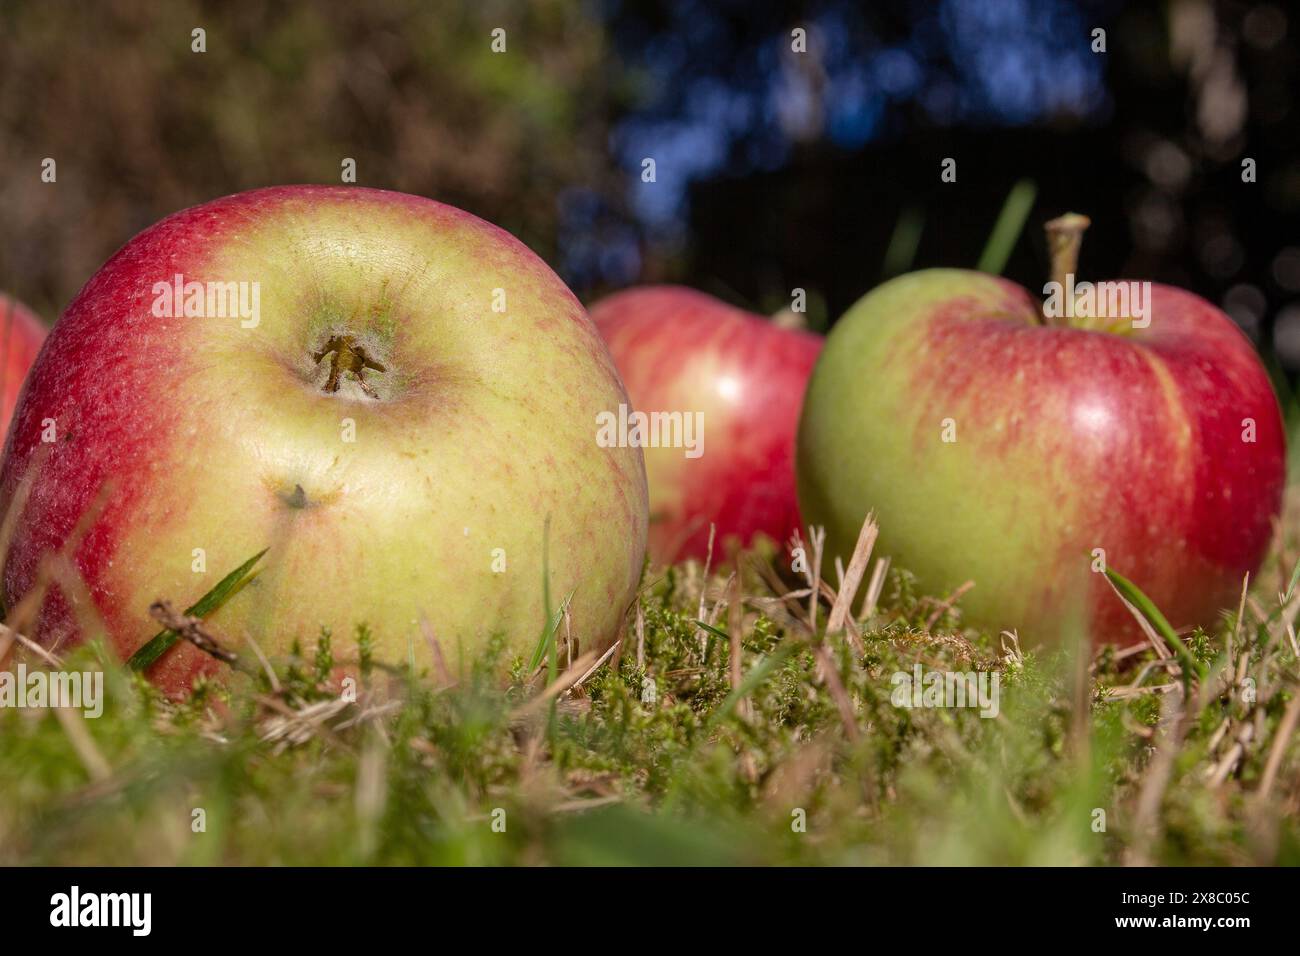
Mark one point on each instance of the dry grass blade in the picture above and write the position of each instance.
(735, 621)
(1162, 651)
(267, 669)
(371, 793)
(609, 652)
(947, 604)
(853, 575)
(708, 563)
(83, 744)
(875, 587)
(581, 806)
(1290, 607)
(817, 539)
(562, 683)
(65, 574)
(18, 503)
(640, 635)
(1125, 693)
(1220, 771)
(11, 636)
(435, 650)
(1281, 738)
(790, 599)
(297, 725)
(843, 703)
(1155, 781)
(22, 616)
(1234, 636)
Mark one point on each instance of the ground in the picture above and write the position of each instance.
(689, 745)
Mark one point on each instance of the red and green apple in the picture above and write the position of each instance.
(21, 335)
(390, 394)
(742, 378)
(1026, 454)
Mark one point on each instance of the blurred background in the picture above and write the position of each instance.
(772, 169)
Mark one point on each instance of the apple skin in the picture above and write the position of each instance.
(1066, 440)
(177, 434)
(21, 335)
(682, 350)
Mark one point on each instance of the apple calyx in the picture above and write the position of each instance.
(1064, 238)
(348, 356)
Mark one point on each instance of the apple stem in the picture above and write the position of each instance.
(1064, 237)
(350, 357)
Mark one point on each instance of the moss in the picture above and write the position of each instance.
(657, 760)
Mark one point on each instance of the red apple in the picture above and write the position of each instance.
(1027, 455)
(389, 394)
(21, 335)
(681, 351)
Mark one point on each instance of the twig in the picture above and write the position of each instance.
(191, 629)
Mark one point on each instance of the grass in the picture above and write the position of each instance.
(724, 729)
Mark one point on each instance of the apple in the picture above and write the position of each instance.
(21, 335)
(741, 378)
(1026, 453)
(391, 395)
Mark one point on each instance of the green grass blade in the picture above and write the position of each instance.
(545, 640)
(1290, 588)
(550, 621)
(547, 648)
(713, 633)
(901, 251)
(714, 630)
(759, 673)
(1009, 225)
(161, 642)
(1133, 594)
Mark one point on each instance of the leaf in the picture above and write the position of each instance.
(160, 643)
